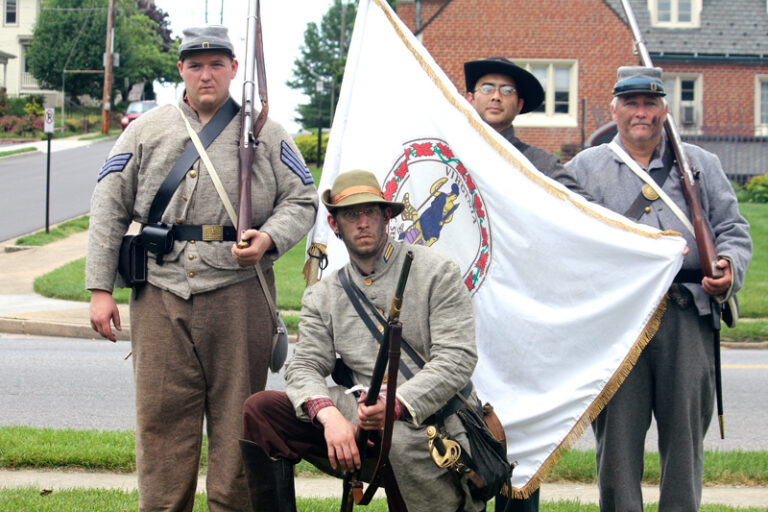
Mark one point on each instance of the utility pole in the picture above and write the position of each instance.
(106, 107)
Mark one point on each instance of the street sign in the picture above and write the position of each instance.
(48, 120)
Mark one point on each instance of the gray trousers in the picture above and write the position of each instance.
(196, 359)
(673, 380)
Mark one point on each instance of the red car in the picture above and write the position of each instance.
(135, 109)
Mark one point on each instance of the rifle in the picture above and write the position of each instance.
(389, 352)
(689, 179)
(250, 128)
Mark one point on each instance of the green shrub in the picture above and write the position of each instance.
(74, 125)
(21, 125)
(34, 108)
(757, 189)
(308, 146)
(3, 101)
(15, 107)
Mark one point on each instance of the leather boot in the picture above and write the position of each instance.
(270, 482)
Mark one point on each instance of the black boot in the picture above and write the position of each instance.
(270, 482)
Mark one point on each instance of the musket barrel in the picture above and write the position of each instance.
(250, 128)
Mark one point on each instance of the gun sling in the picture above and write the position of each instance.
(457, 402)
(358, 298)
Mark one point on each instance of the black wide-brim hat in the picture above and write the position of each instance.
(528, 87)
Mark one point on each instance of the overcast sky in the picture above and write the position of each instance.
(283, 26)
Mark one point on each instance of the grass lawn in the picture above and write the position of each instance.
(60, 231)
(16, 151)
(99, 500)
(753, 298)
(27, 447)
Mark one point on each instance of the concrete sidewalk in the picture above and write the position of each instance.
(59, 144)
(326, 487)
(24, 312)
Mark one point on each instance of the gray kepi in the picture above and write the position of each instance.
(357, 187)
(639, 80)
(211, 38)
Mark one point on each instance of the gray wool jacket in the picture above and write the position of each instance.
(608, 179)
(284, 200)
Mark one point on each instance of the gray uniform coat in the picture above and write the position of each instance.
(606, 177)
(437, 321)
(283, 204)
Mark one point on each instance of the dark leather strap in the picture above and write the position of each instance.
(688, 276)
(204, 233)
(637, 208)
(210, 131)
(352, 292)
(357, 298)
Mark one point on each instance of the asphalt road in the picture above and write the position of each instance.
(85, 384)
(23, 178)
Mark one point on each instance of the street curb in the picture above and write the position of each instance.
(57, 329)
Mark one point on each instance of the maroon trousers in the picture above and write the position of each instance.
(269, 420)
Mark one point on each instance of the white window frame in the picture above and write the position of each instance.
(760, 128)
(549, 118)
(676, 103)
(653, 8)
(5, 10)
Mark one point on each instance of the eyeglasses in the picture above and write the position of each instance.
(352, 214)
(488, 89)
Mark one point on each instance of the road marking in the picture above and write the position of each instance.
(747, 366)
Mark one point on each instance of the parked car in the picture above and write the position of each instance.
(134, 110)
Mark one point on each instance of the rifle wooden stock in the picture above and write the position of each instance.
(688, 176)
(352, 486)
(250, 128)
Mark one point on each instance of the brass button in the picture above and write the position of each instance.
(191, 274)
(192, 241)
(179, 220)
(368, 282)
(647, 209)
(191, 257)
(192, 174)
(186, 198)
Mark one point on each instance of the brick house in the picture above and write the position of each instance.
(714, 54)
(17, 22)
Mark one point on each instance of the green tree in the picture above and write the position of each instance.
(73, 33)
(321, 59)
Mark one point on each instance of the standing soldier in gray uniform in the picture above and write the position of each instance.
(313, 419)
(200, 327)
(500, 90)
(674, 378)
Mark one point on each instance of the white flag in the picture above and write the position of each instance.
(566, 293)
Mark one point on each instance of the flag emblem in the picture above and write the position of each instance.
(442, 202)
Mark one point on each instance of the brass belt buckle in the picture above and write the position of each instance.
(213, 233)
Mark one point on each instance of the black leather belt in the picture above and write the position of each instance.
(689, 276)
(204, 233)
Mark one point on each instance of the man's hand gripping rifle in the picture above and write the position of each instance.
(388, 357)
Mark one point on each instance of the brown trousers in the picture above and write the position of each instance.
(195, 360)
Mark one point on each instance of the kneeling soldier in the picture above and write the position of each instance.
(314, 421)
